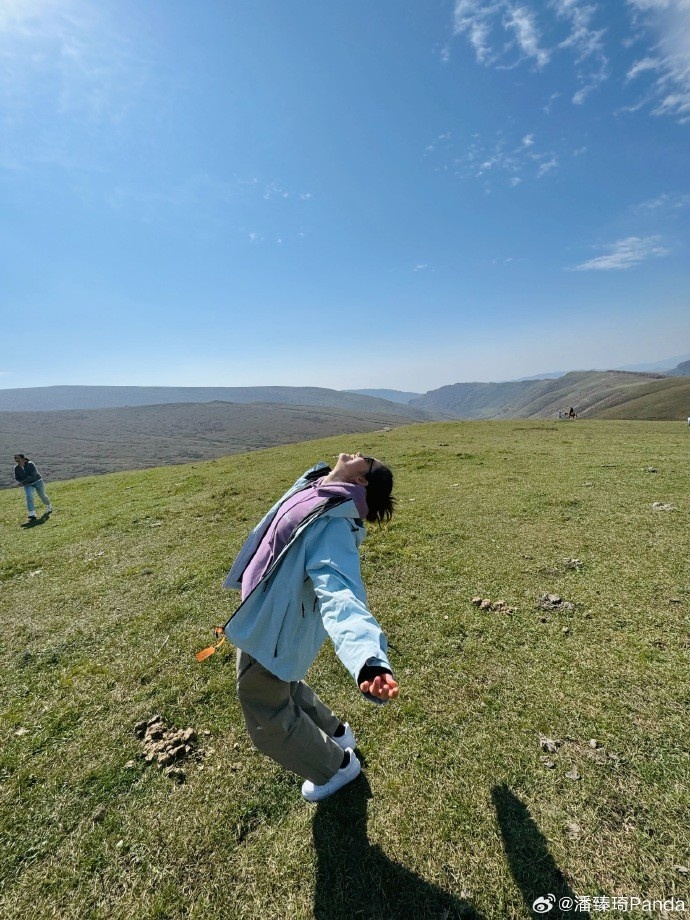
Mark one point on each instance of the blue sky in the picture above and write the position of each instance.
(391, 194)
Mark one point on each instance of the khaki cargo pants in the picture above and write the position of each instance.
(288, 722)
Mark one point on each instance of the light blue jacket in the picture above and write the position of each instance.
(312, 590)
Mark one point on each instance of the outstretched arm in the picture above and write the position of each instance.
(332, 563)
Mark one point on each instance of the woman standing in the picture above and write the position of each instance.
(27, 475)
(300, 578)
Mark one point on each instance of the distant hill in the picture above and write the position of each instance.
(547, 375)
(589, 392)
(50, 399)
(660, 400)
(662, 366)
(683, 370)
(396, 396)
(69, 443)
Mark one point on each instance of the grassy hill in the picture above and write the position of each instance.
(591, 393)
(51, 399)
(73, 443)
(660, 400)
(460, 813)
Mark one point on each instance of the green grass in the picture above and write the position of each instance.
(456, 816)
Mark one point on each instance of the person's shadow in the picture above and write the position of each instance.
(356, 879)
(37, 521)
(533, 867)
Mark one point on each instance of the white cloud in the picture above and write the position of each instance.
(547, 166)
(519, 159)
(624, 254)
(669, 21)
(477, 19)
(522, 22)
(420, 267)
(506, 33)
(663, 204)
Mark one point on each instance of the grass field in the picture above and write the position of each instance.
(456, 814)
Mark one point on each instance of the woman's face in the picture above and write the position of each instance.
(355, 467)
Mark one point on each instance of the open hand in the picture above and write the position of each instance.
(385, 687)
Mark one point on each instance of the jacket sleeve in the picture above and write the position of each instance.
(332, 563)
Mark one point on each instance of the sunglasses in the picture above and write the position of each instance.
(371, 461)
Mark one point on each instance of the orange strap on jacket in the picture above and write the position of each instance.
(207, 652)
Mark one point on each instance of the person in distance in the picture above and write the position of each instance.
(27, 475)
(299, 573)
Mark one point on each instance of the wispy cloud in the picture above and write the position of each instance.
(514, 160)
(478, 19)
(522, 22)
(669, 62)
(591, 63)
(664, 204)
(624, 254)
(507, 33)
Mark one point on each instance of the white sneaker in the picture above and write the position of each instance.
(49, 509)
(345, 775)
(347, 739)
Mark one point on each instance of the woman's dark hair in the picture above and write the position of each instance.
(379, 498)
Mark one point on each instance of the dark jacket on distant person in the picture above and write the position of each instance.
(28, 475)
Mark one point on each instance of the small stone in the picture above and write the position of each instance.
(549, 744)
(662, 506)
(130, 765)
(549, 764)
(119, 844)
(476, 600)
(189, 736)
(573, 564)
(152, 721)
(565, 630)
(206, 732)
(485, 604)
(683, 869)
(21, 731)
(573, 774)
(593, 743)
(652, 469)
(574, 829)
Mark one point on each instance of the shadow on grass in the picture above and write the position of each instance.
(36, 522)
(533, 867)
(355, 879)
